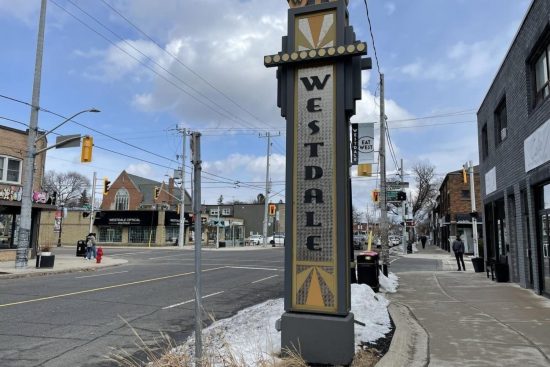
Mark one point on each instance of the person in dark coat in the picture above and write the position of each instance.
(458, 248)
(423, 239)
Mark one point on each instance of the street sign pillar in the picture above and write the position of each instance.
(319, 80)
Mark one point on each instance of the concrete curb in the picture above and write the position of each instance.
(62, 271)
(409, 346)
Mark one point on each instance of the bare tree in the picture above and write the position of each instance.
(68, 185)
(427, 189)
(356, 215)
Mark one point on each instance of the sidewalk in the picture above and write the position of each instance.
(448, 260)
(63, 264)
(465, 319)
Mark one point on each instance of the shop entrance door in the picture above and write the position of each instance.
(544, 248)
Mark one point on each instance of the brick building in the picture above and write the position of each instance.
(453, 211)
(13, 144)
(514, 136)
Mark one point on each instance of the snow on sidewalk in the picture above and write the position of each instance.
(250, 336)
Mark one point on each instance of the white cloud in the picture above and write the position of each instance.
(140, 169)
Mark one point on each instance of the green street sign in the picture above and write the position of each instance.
(391, 195)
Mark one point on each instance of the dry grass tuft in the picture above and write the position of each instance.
(366, 358)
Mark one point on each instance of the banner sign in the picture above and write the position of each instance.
(173, 218)
(362, 143)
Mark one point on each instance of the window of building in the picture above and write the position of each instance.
(484, 142)
(226, 211)
(141, 234)
(542, 71)
(110, 234)
(10, 170)
(171, 233)
(465, 194)
(122, 199)
(214, 211)
(501, 122)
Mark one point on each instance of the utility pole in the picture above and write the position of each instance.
(197, 168)
(21, 257)
(218, 229)
(383, 201)
(92, 213)
(267, 184)
(181, 235)
(404, 213)
(473, 200)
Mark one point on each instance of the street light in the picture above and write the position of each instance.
(21, 258)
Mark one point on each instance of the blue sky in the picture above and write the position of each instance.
(438, 57)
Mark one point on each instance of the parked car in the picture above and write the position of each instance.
(255, 239)
(394, 240)
(276, 239)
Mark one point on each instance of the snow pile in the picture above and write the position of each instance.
(250, 335)
(371, 309)
(389, 283)
(414, 249)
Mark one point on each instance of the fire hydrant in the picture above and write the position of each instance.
(99, 255)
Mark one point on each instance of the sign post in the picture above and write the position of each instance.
(319, 80)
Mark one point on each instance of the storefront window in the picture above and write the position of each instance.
(110, 234)
(141, 234)
(172, 233)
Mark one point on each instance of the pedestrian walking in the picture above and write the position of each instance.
(90, 245)
(423, 239)
(458, 248)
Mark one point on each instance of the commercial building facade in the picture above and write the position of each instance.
(452, 216)
(514, 152)
(13, 151)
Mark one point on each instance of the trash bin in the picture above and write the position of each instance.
(221, 243)
(368, 270)
(81, 248)
(477, 262)
(502, 272)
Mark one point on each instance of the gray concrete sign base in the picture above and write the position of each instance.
(319, 338)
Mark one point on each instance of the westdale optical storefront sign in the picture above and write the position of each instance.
(127, 218)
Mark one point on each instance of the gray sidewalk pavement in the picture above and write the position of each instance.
(64, 263)
(467, 320)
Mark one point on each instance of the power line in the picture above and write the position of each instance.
(231, 116)
(372, 37)
(179, 61)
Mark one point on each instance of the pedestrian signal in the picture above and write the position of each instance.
(272, 209)
(375, 195)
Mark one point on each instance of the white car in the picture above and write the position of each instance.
(394, 241)
(256, 239)
(277, 239)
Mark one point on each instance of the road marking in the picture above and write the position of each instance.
(251, 268)
(129, 253)
(105, 288)
(100, 275)
(261, 280)
(191, 300)
(163, 257)
(394, 260)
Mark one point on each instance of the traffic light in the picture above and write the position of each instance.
(87, 147)
(272, 208)
(464, 174)
(156, 192)
(402, 196)
(375, 196)
(106, 184)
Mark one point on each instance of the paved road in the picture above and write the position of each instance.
(79, 319)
